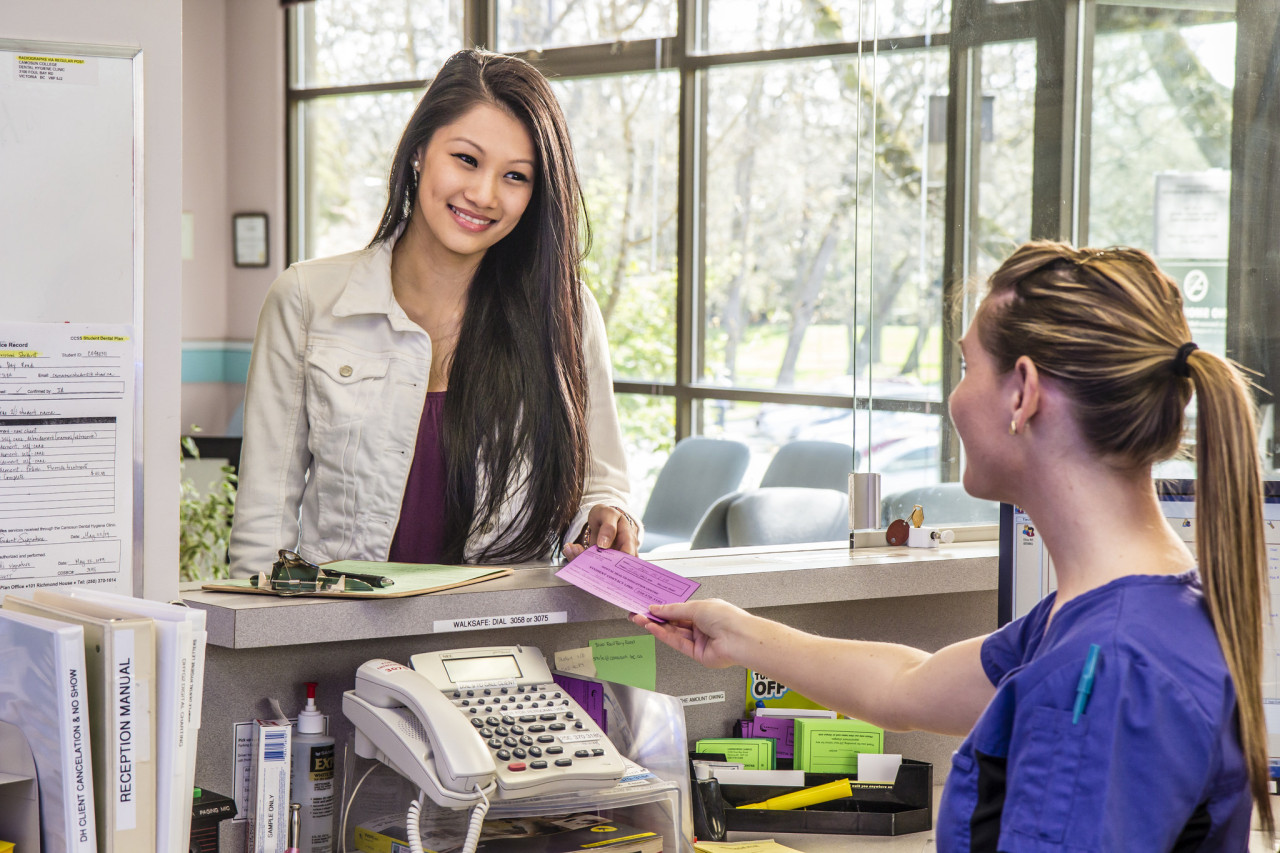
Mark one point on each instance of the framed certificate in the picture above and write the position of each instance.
(249, 239)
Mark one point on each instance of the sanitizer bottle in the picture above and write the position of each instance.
(312, 782)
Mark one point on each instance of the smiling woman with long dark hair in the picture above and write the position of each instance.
(443, 395)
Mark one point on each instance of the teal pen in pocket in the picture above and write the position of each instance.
(1085, 686)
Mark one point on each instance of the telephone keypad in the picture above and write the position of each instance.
(523, 723)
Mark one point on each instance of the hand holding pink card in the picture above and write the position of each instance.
(629, 582)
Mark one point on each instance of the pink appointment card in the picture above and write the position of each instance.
(629, 582)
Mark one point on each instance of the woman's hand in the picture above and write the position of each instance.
(607, 527)
(706, 631)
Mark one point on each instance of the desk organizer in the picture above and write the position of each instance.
(905, 807)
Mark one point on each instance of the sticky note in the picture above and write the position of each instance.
(627, 660)
(754, 753)
(832, 746)
(577, 661)
(629, 582)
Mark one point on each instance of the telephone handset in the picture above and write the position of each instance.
(405, 722)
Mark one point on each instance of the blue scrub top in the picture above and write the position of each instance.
(1153, 764)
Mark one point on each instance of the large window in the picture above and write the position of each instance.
(789, 198)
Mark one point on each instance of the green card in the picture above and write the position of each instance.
(755, 753)
(627, 660)
(832, 746)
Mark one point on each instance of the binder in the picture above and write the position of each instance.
(180, 646)
(120, 665)
(43, 692)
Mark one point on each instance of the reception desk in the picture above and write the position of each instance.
(263, 647)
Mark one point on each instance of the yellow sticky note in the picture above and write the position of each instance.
(627, 660)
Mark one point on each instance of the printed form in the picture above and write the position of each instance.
(66, 456)
(629, 582)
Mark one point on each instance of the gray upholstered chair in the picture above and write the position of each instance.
(801, 464)
(944, 503)
(699, 471)
(812, 465)
(785, 515)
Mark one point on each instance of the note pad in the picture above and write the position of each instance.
(832, 746)
(754, 753)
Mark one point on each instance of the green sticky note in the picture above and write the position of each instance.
(754, 753)
(832, 746)
(627, 660)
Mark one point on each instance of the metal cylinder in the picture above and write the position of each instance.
(864, 502)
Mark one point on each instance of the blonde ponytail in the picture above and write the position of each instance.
(1231, 547)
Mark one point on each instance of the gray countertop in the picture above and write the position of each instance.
(749, 577)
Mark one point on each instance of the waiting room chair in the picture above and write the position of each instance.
(811, 465)
(800, 464)
(698, 472)
(944, 503)
(778, 515)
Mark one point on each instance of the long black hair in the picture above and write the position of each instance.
(515, 409)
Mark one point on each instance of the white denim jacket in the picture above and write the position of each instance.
(337, 383)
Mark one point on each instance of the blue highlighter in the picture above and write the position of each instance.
(1085, 685)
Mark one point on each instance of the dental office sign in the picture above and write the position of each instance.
(1192, 226)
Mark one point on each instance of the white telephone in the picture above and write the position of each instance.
(487, 718)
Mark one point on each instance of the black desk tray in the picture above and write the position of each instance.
(905, 807)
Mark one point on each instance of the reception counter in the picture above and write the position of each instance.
(263, 647)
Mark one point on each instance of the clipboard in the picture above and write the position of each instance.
(407, 579)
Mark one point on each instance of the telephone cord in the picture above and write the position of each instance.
(474, 825)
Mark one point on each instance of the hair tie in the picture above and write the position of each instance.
(1180, 366)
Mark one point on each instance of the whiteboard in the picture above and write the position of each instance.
(71, 183)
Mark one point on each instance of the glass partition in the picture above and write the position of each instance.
(790, 200)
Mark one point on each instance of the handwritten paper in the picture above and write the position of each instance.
(627, 660)
(66, 456)
(629, 582)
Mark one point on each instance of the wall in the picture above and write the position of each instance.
(156, 27)
(234, 161)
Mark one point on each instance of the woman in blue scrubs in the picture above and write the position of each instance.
(1124, 712)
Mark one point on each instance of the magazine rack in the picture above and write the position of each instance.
(19, 793)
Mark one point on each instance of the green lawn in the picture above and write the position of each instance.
(824, 355)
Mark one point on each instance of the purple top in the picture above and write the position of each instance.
(420, 534)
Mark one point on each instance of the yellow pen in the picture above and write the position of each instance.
(836, 790)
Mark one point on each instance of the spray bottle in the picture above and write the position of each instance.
(312, 782)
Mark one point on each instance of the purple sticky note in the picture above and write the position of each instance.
(629, 582)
